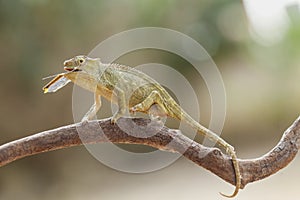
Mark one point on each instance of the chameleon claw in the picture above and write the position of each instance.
(84, 121)
(115, 118)
(120, 113)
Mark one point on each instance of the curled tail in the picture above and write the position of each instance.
(177, 112)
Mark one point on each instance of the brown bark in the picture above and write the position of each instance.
(211, 159)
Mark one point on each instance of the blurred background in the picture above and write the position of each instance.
(255, 45)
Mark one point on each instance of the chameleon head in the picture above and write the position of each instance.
(75, 63)
(80, 63)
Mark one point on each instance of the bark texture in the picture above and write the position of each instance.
(165, 139)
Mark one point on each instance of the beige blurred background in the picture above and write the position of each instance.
(255, 48)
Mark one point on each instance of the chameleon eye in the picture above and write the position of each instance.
(81, 61)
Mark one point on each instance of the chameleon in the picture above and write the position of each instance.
(133, 91)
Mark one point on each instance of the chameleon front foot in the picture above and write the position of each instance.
(87, 117)
(117, 116)
(91, 114)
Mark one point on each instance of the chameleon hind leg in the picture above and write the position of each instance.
(154, 98)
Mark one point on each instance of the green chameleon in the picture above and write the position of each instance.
(130, 89)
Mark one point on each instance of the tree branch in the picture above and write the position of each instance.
(166, 139)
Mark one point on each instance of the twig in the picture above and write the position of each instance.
(166, 139)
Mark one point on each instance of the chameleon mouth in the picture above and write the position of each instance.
(72, 69)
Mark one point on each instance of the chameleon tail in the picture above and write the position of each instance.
(180, 114)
